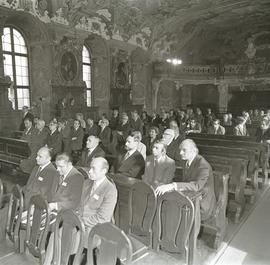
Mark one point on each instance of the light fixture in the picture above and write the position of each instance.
(174, 61)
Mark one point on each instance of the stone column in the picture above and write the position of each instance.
(155, 88)
(223, 97)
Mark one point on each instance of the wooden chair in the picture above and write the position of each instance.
(175, 213)
(218, 222)
(37, 226)
(67, 226)
(142, 208)
(109, 243)
(10, 222)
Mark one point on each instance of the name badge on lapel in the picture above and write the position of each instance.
(64, 184)
(40, 178)
(96, 197)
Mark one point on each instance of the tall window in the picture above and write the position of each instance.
(86, 64)
(16, 66)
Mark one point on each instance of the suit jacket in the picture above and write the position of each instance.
(199, 177)
(149, 145)
(39, 139)
(91, 131)
(97, 207)
(76, 144)
(114, 122)
(173, 150)
(158, 172)
(28, 135)
(54, 141)
(68, 193)
(125, 129)
(28, 115)
(105, 136)
(220, 130)
(42, 182)
(262, 136)
(238, 131)
(136, 125)
(132, 167)
(86, 159)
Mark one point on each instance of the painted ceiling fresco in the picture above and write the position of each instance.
(195, 30)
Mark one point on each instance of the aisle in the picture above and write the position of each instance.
(250, 246)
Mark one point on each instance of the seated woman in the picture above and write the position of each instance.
(150, 139)
(240, 129)
(193, 127)
(216, 128)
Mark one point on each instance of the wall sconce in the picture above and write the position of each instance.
(174, 61)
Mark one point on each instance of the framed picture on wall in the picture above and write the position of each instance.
(68, 66)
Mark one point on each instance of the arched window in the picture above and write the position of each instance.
(16, 66)
(86, 64)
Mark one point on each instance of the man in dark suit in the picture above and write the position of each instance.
(26, 115)
(92, 150)
(43, 179)
(216, 128)
(104, 134)
(198, 176)
(29, 131)
(114, 119)
(159, 168)
(136, 123)
(172, 141)
(54, 140)
(67, 195)
(131, 164)
(69, 187)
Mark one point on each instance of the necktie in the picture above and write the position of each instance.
(61, 179)
(93, 188)
(126, 156)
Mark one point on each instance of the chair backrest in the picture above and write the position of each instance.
(71, 227)
(175, 213)
(37, 226)
(221, 192)
(106, 244)
(142, 208)
(15, 210)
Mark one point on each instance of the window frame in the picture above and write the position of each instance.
(13, 55)
(91, 75)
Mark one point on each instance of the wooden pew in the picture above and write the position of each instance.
(259, 149)
(12, 151)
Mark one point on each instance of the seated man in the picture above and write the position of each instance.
(44, 178)
(216, 128)
(159, 168)
(263, 132)
(69, 188)
(198, 176)
(240, 129)
(67, 195)
(99, 196)
(26, 115)
(168, 138)
(194, 127)
(54, 139)
(131, 164)
(29, 131)
(92, 150)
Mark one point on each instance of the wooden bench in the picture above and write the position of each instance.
(223, 137)
(260, 149)
(12, 151)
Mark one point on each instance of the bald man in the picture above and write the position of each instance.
(198, 176)
(99, 196)
(93, 150)
(44, 177)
